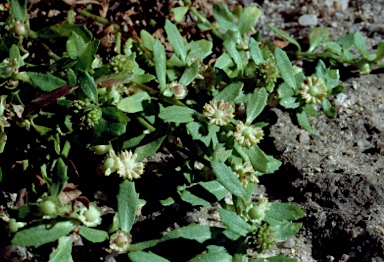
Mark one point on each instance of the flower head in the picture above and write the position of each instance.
(313, 90)
(120, 241)
(91, 216)
(245, 173)
(178, 90)
(247, 135)
(128, 167)
(219, 112)
(122, 63)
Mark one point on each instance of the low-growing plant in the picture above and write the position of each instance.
(172, 121)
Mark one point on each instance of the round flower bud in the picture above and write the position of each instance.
(178, 90)
(91, 216)
(20, 29)
(14, 225)
(120, 241)
(313, 90)
(262, 239)
(219, 112)
(101, 149)
(48, 207)
(247, 135)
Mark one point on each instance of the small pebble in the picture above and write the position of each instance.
(308, 20)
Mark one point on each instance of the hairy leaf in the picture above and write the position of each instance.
(127, 201)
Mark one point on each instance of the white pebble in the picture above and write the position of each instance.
(308, 20)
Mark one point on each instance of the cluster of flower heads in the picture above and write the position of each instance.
(124, 164)
(88, 116)
(221, 113)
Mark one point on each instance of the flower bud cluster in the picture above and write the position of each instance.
(122, 63)
(262, 239)
(268, 72)
(88, 117)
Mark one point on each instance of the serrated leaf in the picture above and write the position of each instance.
(62, 253)
(75, 45)
(223, 16)
(135, 103)
(149, 149)
(255, 51)
(42, 234)
(127, 201)
(256, 104)
(46, 82)
(303, 120)
(228, 179)
(248, 19)
(160, 63)
(174, 37)
(140, 256)
(177, 114)
(317, 36)
(87, 85)
(93, 235)
(285, 68)
(234, 223)
(230, 92)
(189, 74)
(328, 109)
(285, 36)
(199, 49)
(195, 232)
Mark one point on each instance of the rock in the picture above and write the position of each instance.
(308, 20)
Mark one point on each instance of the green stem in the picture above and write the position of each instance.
(118, 43)
(325, 55)
(99, 19)
(145, 124)
(70, 16)
(51, 53)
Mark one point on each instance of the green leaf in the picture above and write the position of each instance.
(333, 47)
(14, 54)
(93, 235)
(259, 160)
(303, 120)
(143, 245)
(19, 9)
(328, 109)
(280, 258)
(43, 234)
(248, 19)
(87, 85)
(255, 51)
(256, 104)
(134, 103)
(147, 39)
(310, 110)
(142, 79)
(167, 202)
(228, 179)
(317, 36)
(199, 49)
(174, 37)
(359, 42)
(179, 13)
(114, 79)
(234, 222)
(285, 36)
(289, 102)
(66, 29)
(215, 188)
(59, 179)
(46, 82)
(230, 39)
(188, 197)
(230, 93)
(134, 141)
(285, 68)
(223, 16)
(149, 149)
(85, 60)
(284, 90)
(194, 130)
(140, 256)
(379, 52)
(127, 201)
(224, 62)
(160, 63)
(75, 45)
(177, 114)
(63, 251)
(195, 232)
(189, 74)
(212, 257)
